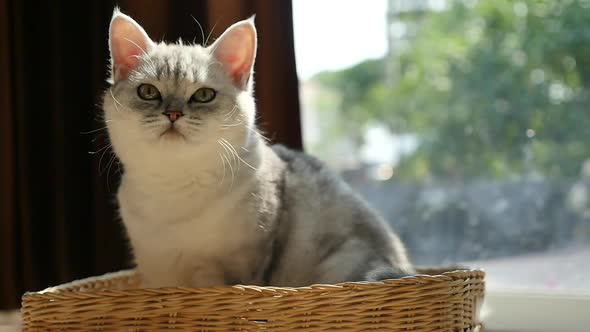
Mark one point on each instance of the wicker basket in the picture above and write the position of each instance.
(436, 300)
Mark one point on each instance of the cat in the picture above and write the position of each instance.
(204, 199)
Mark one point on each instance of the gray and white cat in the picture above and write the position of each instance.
(204, 199)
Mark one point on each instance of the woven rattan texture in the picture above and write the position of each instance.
(429, 302)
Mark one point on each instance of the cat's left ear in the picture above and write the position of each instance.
(236, 51)
(127, 42)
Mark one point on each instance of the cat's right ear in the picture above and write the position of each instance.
(127, 42)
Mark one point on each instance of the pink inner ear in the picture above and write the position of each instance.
(236, 51)
(127, 41)
(238, 69)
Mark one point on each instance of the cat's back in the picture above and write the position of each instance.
(311, 184)
(311, 187)
(304, 172)
(328, 229)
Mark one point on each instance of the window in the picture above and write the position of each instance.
(465, 123)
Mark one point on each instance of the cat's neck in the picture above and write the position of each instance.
(206, 168)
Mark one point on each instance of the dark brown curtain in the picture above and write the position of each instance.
(57, 210)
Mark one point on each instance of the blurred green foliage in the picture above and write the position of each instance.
(494, 89)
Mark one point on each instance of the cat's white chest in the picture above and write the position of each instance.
(174, 233)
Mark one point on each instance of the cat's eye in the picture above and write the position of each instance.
(203, 95)
(148, 92)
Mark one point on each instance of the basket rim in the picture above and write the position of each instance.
(454, 273)
(444, 298)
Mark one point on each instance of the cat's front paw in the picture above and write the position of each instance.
(388, 272)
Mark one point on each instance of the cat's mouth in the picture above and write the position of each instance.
(172, 133)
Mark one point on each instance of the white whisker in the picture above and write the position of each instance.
(256, 132)
(113, 157)
(97, 151)
(230, 152)
(116, 101)
(231, 113)
(102, 156)
(233, 150)
(92, 131)
(144, 52)
(200, 27)
(109, 169)
(223, 164)
(231, 170)
(227, 126)
(210, 32)
(150, 66)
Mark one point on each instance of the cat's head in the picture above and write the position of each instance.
(175, 97)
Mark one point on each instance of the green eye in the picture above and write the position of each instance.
(203, 95)
(148, 92)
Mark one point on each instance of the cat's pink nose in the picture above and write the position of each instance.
(173, 115)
